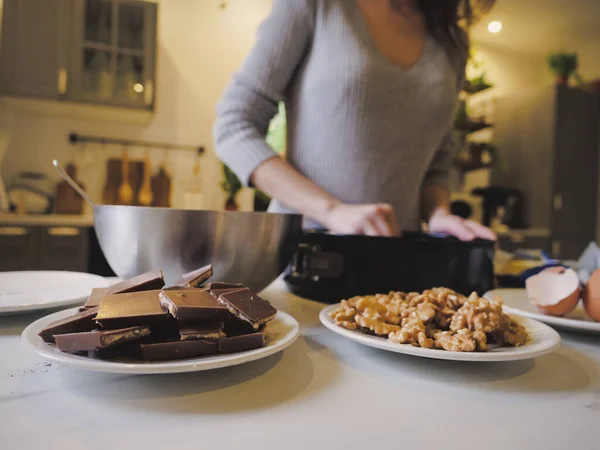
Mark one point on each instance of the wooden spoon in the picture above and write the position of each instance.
(145, 196)
(125, 190)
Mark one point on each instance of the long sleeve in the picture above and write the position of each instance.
(251, 99)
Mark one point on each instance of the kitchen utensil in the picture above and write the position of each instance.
(24, 292)
(544, 340)
(248, 248)
(280, 333)
(517, 302)
(114, 176)
(67, 200)
(145, 196)
(161, 188)
(329, 267)
(193, 197)
(125, 190)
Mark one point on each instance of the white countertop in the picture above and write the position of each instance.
(51, 220)
(322, 393)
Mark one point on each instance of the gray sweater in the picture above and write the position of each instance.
(360, 127)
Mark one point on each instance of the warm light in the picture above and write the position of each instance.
(495, 26)
(138, 87)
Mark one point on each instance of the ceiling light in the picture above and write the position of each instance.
(495, 26)
(138, 87)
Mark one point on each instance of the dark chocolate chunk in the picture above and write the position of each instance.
(166, 351)
(218, 285)
(195, 278)
(91, 340)
(95, 297)
(145, 282)
(247, 306)
(201, 330)
(132, 309)
(191, 304)
(241, 343)
(82, 321)
(126, 351)
(232, 326)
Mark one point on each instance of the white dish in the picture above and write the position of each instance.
(23, 292)
(517, 302)
(543, 340)
(280, 333)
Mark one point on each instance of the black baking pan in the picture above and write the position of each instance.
(329, 268)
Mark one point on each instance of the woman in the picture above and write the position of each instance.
(370, 89)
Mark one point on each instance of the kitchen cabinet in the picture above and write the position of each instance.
(100, 52)
(44, 248)
(548, 148)
(35, 47)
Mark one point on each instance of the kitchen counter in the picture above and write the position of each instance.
(49, 220)
(323, 392)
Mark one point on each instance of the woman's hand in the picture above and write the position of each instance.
(372, 220)
(465, 230)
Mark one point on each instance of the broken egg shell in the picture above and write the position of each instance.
(554, 291)
(591, 296)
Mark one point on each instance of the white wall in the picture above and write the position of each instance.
(200, 46)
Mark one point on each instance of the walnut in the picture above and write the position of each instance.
(376, 326)
(437, 318)
(460, 341)
(478, 314)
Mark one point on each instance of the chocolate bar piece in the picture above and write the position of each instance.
(201, 330)
(217, 285)
(127, 351)
(241, 343)
(132, 309)
(232, 326)
(191, 304)
(95, 297)
(166, 351)
(82, 321)
(249, 307)
(145, 282)
(91, 340)
(195, 278)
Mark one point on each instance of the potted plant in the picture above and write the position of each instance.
(231, 185)
(563, 65)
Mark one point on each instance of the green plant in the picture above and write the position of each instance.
(231, 184)
(563, 64)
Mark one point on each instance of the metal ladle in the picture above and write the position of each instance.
(72, 183)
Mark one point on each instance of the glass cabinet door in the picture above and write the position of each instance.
(115, 57)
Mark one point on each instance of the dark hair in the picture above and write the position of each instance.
(447, 21)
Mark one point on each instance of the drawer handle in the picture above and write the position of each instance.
(64, 231)
(13, 231)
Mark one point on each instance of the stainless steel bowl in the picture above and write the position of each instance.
(248, 248)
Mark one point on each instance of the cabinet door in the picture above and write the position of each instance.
(19, 249)
(64, 248)
(113, 53)
(35, 44)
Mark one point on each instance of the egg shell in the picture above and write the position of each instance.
(591, 296)
(554, 291)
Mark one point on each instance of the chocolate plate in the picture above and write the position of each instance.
(280, 333)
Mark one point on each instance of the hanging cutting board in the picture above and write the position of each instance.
(161, 189)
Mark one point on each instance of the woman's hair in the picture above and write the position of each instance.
(448, 21)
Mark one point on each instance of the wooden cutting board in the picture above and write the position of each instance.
(161, 189)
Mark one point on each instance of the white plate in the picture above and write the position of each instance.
(22, 292)
(516, 302)
(543, 340)
(280, 333)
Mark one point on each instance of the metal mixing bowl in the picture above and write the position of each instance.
(243, 247)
